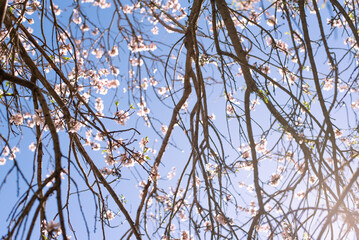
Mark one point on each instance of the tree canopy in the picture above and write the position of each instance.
(175, 119)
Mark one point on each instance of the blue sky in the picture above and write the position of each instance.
(178, 152)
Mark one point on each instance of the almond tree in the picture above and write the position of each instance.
(179, 119)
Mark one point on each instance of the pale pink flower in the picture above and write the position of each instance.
(164, 129)
(185, 106)
(98, 52)
(182, 216)
(114, 51)
(77, 19)
(328, 84)
(241, 184)
(261, 147)
(114, 71)
(312, 179)
(95, 146)
(51, 227)
(154, 30)
(275, 179)
(109, 215)
(272, 21)
(6, 151)
(228, 198)
(185, 235)
(135, 61)
(155, 175)
(2, 160)
(121, 117)
(75, 126)
(13, 152)
(143, 112)
(99, 106)
(102, 4)
(144, 84)
(95, 32)
(103, 72)
(208, 226)
(143, 142)
(230, 109)
(162, 90)
(300, 195)
(289, 136)
(253, 211)
(84, 27)
(152, 47)
(282, 46)
(221, 219)
(113, 83)
(56, 9)
(212, 117)
(127, 161)
(17, 118)
(32, 147)
(153, 82)
(246, 154)
(171, 174)
(109, 160)
(254, 103)
(127, 9)
(269, 41)
(106, 171)
(337, 133)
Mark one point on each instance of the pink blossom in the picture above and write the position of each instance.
(75, 126)
(274, 181)
(182, 216)
(102, 4)
(99, 105)
(98, 52)
(328, 84)
(76, 18)
(114, 51)
(121, 117)
(127, 9)
(164, 129)
(272, 21)
(208, 226)
(185, 235)
(143, 142)
(300, 195)
(221, 219)
(32, 147)
(127, 161)
(261, 147)
(337, 133)
(51, 227)
(230, 109)
(109, 215)
(17, 118)
(253, 211)
(6, 151)
(171, 174)
(154, 30)
(113, 83)
(114, 71)
(109, 160)
(95, 146)
(13, 152)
